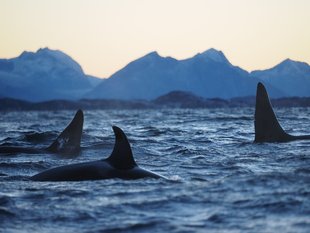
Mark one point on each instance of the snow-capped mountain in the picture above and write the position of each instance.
(208, 74)
(51, 74)
(45, 74)
(213, 54)
(292, 77)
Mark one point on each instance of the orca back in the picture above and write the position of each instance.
(120, 164)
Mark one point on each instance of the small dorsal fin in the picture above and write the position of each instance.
(121, 157)
(68, 142)
(267, 127)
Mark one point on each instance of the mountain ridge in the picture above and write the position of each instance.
(51, 74)
(208, 74)
(293, 77)
(43, 75)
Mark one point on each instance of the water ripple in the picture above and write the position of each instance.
(219, 180)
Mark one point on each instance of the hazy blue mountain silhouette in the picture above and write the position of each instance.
(51, 74)
(43, 75)
(292, 77)
(207, 74)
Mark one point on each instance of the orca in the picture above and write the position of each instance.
(267, 127)
(120, 164)
(67, 143)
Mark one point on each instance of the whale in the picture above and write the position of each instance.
(119, 165)
(266, 124)
(67, 143)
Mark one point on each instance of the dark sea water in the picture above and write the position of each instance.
(219, 181)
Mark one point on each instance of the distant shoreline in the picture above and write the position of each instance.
(9, 104)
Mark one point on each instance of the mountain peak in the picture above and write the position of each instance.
(213, 54)
(150, 57)
(57, 56)
(292, 65)
(153, 54)
(288, 61)
(51, 52)
(42, 50)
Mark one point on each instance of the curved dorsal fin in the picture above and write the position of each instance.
(121, 157)
(267, 127)
(68, 142)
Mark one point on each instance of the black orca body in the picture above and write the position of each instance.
(120, 164)
(267, 127)
(68, 142)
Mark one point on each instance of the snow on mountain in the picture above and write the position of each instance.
(292, 77)
(208, 74)
(213, 54)
(45, 74)
(51, 74)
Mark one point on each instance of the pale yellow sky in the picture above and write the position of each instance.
(105, 35)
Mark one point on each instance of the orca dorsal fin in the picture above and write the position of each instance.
(267, 127)
(68, 142)
(121, 157)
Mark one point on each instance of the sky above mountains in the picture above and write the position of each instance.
(104, 36)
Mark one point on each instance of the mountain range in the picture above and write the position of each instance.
(51, 74)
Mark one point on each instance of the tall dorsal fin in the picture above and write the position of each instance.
(68, 142)
(121, 157)
(267, 127)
